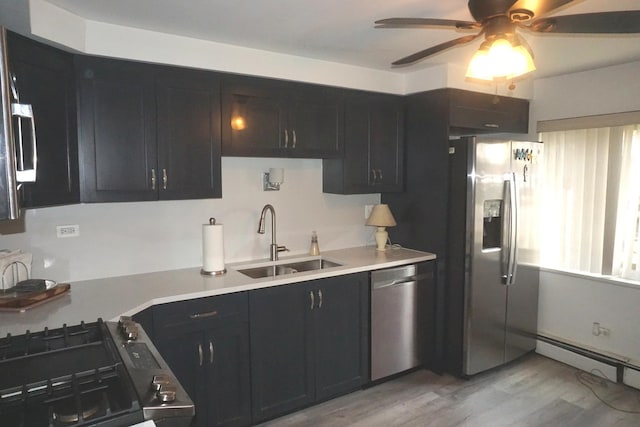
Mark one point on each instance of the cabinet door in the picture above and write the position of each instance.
(185, 353)
(482, 113)
(314, 124)
(117, 140)
(373, 147)
(44, 79)
(427, 315)
(228, 379)
(341, 334)
(188, 104)
(386, 144)
(282, 377)
(253, 116)
(358, 167)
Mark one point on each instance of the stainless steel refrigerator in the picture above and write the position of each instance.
(491, 299)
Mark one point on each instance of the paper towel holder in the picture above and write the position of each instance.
(212, 221)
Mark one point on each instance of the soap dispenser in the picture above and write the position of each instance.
(315, 249)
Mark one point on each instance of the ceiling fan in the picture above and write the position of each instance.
(498, 21)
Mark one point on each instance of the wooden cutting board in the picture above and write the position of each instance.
(23, 302)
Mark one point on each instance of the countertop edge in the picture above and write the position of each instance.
(110, 298)
(284, 280)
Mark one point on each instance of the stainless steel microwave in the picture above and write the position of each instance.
(18, 146)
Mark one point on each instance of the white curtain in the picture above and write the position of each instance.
(626, 259)
(574, 194)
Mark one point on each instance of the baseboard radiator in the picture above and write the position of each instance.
(611, 368)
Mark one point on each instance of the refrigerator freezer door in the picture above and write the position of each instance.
(486, 296)
(522, 300)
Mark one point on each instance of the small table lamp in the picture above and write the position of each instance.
(381, 217)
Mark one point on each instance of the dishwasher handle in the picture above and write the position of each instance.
(396, 282)
(399, 281)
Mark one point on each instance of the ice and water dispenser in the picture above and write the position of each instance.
(492, 224)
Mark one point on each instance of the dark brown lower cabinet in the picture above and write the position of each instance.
(206, 344)
(309, 342)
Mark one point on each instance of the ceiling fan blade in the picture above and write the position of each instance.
(434, 49)
(623, 22)
(538, 7)
(424, 22)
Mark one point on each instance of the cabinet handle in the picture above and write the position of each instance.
(491, 125)
(25, 111)
(320, 298)
(380, 174)
(164, 179)
(294, 138)
(373, 171)
(286, 138)
(312, 299)
(210, 353)
(153, 179)
(201, 315)
(201, 356)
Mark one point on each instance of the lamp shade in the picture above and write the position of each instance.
(381, 216)
(501, 59)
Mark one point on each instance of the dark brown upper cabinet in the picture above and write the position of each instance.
(374, 147)
(44, 78)
(474, 113)
(270, 118)
(188, 134)
(147, 132)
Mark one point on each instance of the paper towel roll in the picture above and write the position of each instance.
(212, 248)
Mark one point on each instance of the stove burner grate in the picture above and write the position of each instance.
(85, 398)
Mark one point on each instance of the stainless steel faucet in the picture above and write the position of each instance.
(273, 248)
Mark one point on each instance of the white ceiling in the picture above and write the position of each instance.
(343, 31)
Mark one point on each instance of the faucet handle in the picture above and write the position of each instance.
(282, 249)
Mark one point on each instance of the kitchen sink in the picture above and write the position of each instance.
(288, 268)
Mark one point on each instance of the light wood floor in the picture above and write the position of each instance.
(534, 391)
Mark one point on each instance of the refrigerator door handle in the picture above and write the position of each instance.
(508, 262)
(515, 203)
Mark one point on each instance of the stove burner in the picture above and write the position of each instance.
(79, 375)
(81, 405)
(66, 412)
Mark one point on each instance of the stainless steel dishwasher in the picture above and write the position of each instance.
(397, 320)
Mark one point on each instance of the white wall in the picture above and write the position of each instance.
(127, 238)
(602, 91)
(97, 38)
(568, 304)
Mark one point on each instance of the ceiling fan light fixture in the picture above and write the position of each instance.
(500, 59)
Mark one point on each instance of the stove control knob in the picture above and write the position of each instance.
(131, 332)
(124, 321)
(167, 393)
(158, 381)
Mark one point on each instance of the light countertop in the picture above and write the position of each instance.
(112, 297)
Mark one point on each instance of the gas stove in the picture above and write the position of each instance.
(100, 373)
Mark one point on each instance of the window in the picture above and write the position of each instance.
(591, 201)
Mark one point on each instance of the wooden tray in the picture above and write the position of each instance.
(33, 299)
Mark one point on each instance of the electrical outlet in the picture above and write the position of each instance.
(367, 211)
(68, 230)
